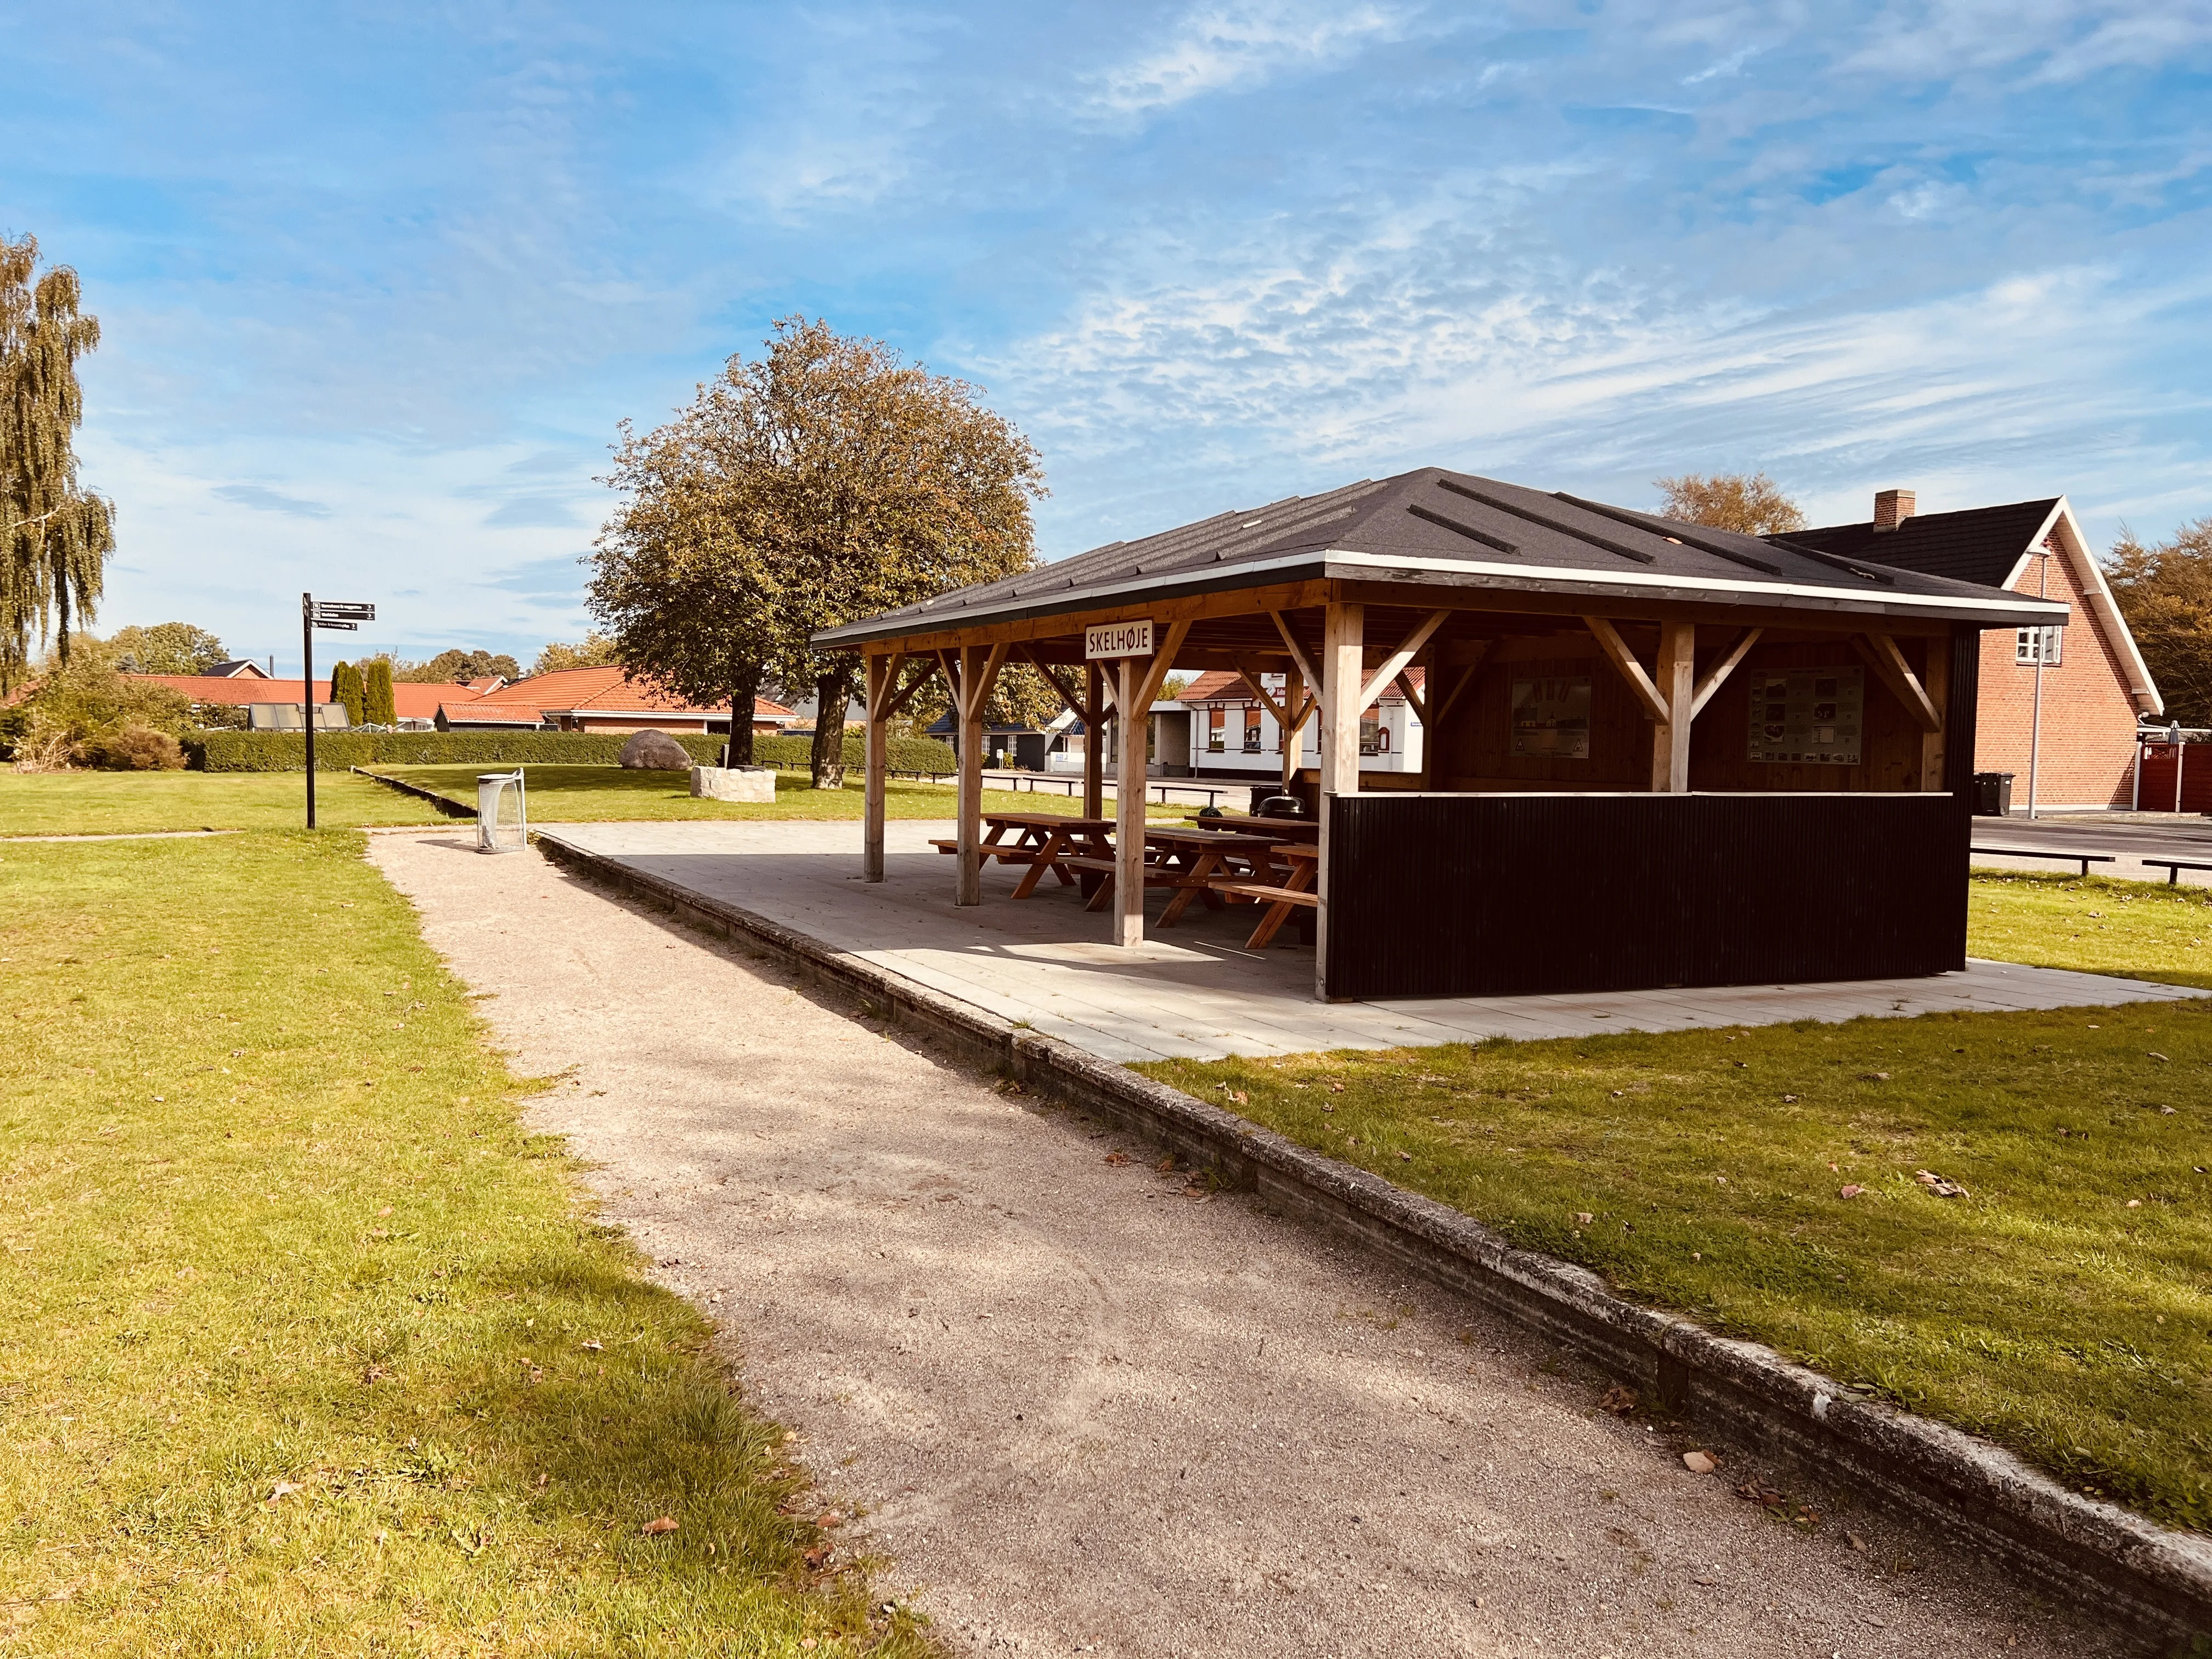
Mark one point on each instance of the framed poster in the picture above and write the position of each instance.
(1808, 716)
(1551, 718)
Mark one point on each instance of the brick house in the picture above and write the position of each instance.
(1234, 735)
(590, 700)
(2094, 685)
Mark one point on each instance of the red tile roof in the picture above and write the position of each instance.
(1221, 685)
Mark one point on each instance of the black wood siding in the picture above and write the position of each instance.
(1435, 895)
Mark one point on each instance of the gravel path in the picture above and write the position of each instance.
(1082, 1409)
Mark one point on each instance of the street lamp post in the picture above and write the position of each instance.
(345, 615)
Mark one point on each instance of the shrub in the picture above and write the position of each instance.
(287, 752)
(133, 749)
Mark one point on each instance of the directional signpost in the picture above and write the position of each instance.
(343, 614)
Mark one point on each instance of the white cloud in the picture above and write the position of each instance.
(1935, 38)
(1232, 46)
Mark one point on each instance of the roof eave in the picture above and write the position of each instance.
(1342, 564)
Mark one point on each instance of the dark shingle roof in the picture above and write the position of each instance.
(1456, 529)
(1982, 544)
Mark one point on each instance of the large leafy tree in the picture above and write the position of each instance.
(594, 650)
(458, 667)
(1749, 502)
(55, 537)
(2165, 592)
(169, 647)
(827, 480)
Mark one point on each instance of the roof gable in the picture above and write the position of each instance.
(1982, 544)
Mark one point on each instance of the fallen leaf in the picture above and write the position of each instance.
(1936, 1184)
(1873, 1077)
(2135, 1204)
(1117, 1157)
(1336, 1088)
(374, 1374)
(1788, 1100)
(593, 1344)
(654, 1528)
(1328, 1108)
(1405, 1157)
(1698, 1462)
(283, 1489)
(2154, 1054)
(1619, 1400)
(1584, 1217)
(1849, 1192)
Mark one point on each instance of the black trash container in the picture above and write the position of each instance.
(1993, 794)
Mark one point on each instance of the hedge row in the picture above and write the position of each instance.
(287, 752)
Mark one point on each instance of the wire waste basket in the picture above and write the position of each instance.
(492, 835)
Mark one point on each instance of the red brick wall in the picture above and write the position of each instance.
(2088, 747)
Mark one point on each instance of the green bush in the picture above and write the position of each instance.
(133, 749)
(287, 752)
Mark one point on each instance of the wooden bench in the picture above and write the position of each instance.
(989, 850)
(2085, 860)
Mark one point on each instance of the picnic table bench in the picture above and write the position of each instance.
(1294, 892)
(1189, 860)
(1044, 841)
(1252, 825)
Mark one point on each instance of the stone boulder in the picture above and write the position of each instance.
(655, 751)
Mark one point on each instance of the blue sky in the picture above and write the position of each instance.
(377, 283)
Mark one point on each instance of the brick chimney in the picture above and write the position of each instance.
(1891, 508)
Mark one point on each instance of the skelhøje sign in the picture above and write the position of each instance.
(1117, 638)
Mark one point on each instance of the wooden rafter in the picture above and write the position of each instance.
(1640, 681)
(894, 703)
(1718, 674)
(1880, 650)
(1467, 673)
(1075, 705)
(1411, 694)
(1307, 671)
(1396, 662)
(1155, 671)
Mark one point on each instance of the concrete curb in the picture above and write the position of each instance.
(452, 809)
(2093, 1555)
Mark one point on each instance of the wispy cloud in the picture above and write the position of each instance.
(265, 500)
(1227, 47)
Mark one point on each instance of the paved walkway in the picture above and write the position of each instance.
(1193, 990)
(1084, 1411)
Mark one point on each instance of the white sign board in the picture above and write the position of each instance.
(1121, 639)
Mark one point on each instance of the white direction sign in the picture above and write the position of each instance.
(1121, 639)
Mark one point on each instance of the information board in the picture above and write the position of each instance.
(1808, 716)
(1551, 718)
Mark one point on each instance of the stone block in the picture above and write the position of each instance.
(753, 783)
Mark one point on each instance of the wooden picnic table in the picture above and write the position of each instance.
(1189, 860)
(1252, 825)
(1043, 841)
(1294, 892)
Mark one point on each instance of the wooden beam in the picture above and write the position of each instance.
(883, 673)
(896, 705)
(1935, 679)
(1609, 640)
(1411, 694)
(1677, 684)
(1466, 674)
(1052, 679)
(1162, 663)
(1305, 666)
(1129, 810)
(1343, 663)
(1251, 678)
(971, 693)
(1408, 648)
(1717, 676)
(1880, 650)
(1094, 743)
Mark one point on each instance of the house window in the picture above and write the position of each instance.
(1216, 723)
(1251, 730)
(2043, 645)
(1371, 735)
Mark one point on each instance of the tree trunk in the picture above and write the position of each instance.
(739, 750)
(832, 692)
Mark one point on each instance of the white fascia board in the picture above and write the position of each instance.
(1735, 589)
(2091, 574)
(1345, 564)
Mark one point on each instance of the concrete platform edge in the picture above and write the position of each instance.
(2093, 1555)
(452, 809)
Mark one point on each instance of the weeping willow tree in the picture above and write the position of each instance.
(55, 537)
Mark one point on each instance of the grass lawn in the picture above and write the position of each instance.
(118, 803)
(2062, 1306)
(311, 1348)
(595, 794)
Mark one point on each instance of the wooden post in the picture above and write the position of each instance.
(1293, 688)
(1130, 722)
(979, 669)
(881, 684)
(1343, 670)
(1677, 680)
(1094, 741)
(1936, 677)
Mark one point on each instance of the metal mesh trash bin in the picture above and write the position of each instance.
(494, 835)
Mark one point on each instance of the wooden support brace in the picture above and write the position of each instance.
(1880, 650)
(1717, 676)
(1411, 694)
(1307, 671)
(1396, 663)
(1466, 678)
(1639, 682)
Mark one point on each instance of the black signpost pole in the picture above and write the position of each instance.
(307, 691)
